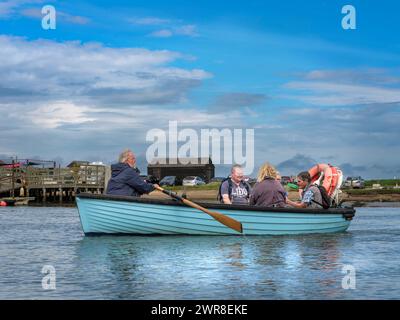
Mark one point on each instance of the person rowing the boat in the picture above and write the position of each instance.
(311, 196)
(125, 179)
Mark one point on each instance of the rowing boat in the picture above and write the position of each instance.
(110, 214)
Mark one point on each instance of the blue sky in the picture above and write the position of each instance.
(110, 72)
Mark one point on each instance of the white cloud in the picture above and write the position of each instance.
(12, 8)
(236, 100)
(52, 70)
(36, 13)
(164, 33)
(149, 21)
(339, 94)
(168, 27)
(32, 13)
(144, 118)
(79, 91)
(140, 118)
(63, 16)
(9, 8)
(56, 114)
(370, 76)
(187, 30)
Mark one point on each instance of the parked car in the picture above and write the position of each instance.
(168, 181)
(354, 182)
(347, 182)
(286, 180)
(358, 183)
(193, 181)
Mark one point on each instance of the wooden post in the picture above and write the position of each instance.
(86, 169)
(106, 177)
(60, 183)
(12, 179)
(27, 181)
(44, 195)
(21, 192)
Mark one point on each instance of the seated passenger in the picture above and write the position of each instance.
(278, 177)
(268, 192)
(234, 190)
(125, 179)
(310, 195)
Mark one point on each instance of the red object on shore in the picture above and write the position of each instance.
(3, 203)
(10, 166)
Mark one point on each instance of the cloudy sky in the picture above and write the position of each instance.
(112, 71)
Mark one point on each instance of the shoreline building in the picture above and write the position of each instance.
(181, 168)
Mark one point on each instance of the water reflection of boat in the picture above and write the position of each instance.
(131, 215)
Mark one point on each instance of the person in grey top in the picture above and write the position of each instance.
(234, 190)
(310, 196)
(268, 191)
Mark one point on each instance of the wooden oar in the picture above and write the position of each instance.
(225, 220)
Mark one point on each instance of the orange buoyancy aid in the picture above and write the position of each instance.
(331, 176)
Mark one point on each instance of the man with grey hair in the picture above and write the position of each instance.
(125, 179)
(234, 190)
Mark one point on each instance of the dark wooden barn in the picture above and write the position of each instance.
(202, 167)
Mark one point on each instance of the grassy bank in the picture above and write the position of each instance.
(383, 182)
(372, 191)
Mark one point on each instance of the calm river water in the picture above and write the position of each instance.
(196, 267)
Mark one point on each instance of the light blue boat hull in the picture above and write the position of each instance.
(104, 214)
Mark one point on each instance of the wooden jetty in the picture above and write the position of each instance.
(52, 185)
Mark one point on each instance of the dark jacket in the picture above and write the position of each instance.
(268, 193)
(125, 181)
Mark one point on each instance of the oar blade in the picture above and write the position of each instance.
(227, 221)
